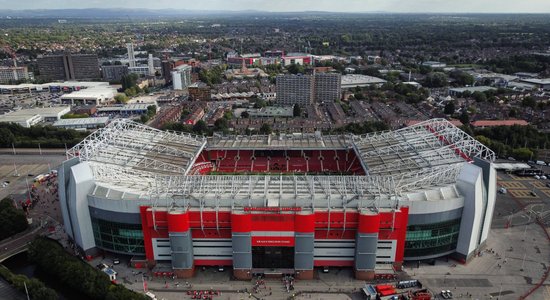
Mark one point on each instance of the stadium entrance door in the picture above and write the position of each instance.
(272, 257)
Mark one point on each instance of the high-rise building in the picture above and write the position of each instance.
(181, 77)
(114, 72)
(294, 89)
(167, 67)
(307, 89)
(327, 87)
(69, 67)
(151, 65)
(131, 56)
(13, 74)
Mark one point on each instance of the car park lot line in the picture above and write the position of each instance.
(522, 194)
(512, 185)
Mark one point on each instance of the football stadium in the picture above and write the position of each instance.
(286, 203)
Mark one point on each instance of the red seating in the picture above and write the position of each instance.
(280, 161)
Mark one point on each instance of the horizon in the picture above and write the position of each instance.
(290, 6)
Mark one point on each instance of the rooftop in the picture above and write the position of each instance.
(472, 89)
(44, 112)
(490, 123)
(81, 121)
(356, 79)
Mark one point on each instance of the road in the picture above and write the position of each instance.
(12, 246)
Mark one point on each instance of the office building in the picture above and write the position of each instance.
(69, 67)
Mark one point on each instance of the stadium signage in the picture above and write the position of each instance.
(272, 209)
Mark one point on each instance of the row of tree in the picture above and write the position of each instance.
(36, 288)
(51, 258)
(47, 136)
(12, 220)
(520, 142)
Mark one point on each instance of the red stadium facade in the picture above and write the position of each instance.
(278, 229)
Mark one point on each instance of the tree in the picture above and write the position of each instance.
(129, 81)
(529, 102)
(265, 129)
(464, 117)
(245, 114)
(260, 103)
(462, 78)
(121, 98)
(297, 111)
(479, 96)
(12, 220)
(449, 108)
(436, 79)
(295, 69)
(221, 124)
(6, 137)
(200, 127)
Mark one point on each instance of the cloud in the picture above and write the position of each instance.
(485, 6)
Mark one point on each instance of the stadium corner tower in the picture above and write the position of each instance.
(280, 203)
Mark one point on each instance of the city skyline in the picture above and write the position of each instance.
(395, 6)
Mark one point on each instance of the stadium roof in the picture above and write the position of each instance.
(138, 148)
(134, 159)
(295, 141)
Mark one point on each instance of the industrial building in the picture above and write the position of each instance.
(93, 95)
(69, 66)
(31, 116)
(357, 80)
(82, 123)
(285, 203)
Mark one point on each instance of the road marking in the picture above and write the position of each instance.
(522, 194)
(512, 185)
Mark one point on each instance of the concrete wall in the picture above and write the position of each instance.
(81, 183)
(490, 184)
(63, 179)
(470, 185)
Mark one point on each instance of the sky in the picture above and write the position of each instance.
(400, 6)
